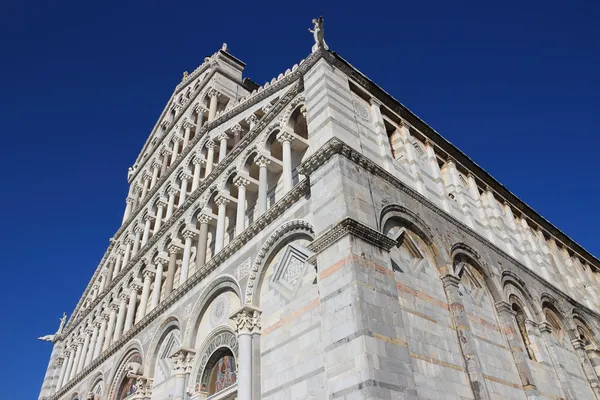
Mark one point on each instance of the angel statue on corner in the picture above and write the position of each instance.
(318, 34)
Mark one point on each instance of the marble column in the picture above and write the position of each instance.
(128, 207)
(186, 135)
(118, 262)
(127, 253)
(146, 234)
(110, 270)
(175, 151)
(155, 170)
(212, 109)
(240, 220)
(508, 323)
(203, 219)
(160, 206)
(198, 162)
(586, 365)
(110, 330)
(189, 235)
(92, 345)
(210, 157)
(136, 240)
(158, 277)
(173, 251)
(262, 163)
(70, 363)
(146, 178)
(286, 138)
(181, 358)
(124, 297)
(131, 308)
(185, 178)
(171, 204)
(148, 276)
(220, 234)
(237, 133)
(137, 191)
(101, 336)
(63, 369)
(247, 321)
(466, 341)
(95, 291)
(200, 119)
(78, 349)
(222, 138)
(561, 374)
(166, 154)
(251, 120)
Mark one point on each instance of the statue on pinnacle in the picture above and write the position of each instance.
(318, 34)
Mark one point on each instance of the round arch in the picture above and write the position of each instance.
(168, 325)
(221, 338)
(130, 353)
(284, 233)
(219, 285)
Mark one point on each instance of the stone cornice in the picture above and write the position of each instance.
(453, 152)
(276, 211)
(222, 166)
(334, 146)
(352, 227)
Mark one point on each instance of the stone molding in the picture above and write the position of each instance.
(335, 146)
(352, 227)
(274, 111)
(246, 236)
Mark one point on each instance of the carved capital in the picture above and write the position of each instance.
(222, 136)
(182, 359)
(199, 159)
(450, 281)
(237, 129)
(185, 175)
(213, 93)
(266, 108)
(114, 307)
(545, 327)
(251, 119)
(138, 230)
(148, 217)
(247, 320)
(165, 152)
(189, 234)
(129, 200)
(188, 124)
(221, 200)
(124, 297)
(210, 144)
(156, 165)
(204, 218)
(504, 307)
(176, 138)
(150, 274)
(262, 161)
(241, 181)
(162, 203)
(285, 137)
(173, 249)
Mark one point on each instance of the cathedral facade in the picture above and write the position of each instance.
(312, 238)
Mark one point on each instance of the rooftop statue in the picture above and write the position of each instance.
(50, 338)
(318, 34)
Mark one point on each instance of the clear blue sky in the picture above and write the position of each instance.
(515, 85)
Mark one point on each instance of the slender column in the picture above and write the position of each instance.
(563, 379)
(587, 366)
(110, 270)
(237, 133)
(131, 308)
(200, 120)
(220, 234)
(70, 368)
(166, 153)
(189, 235)
(78, 350)
(137, 191)
(210, 157)
(92, 345)
(121, 316)
(465, 338)
(222, 146)
(181, 358)
(136, 240)
(102, 281)
(155, 170)
(508, 324)
(128, 242)
(212, 110)
(146, 185)
(148, 276)
(252, 120)
(247, 321)
(262, 163)
(160, 262)
(198, 161)
(146, 234)
(185, 178)
(203, 219)
(159, 215)
(175, 152)
(112, 319)
(129, 205)
(101, 336)
(171, 204)
(173, 251)
(240, 220)
(63, 369)
(95, 291)
(118, 262)
(186, 135)
(286, 139)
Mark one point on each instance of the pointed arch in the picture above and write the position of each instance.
(283, 234)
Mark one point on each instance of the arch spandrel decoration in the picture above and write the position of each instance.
(282, 233)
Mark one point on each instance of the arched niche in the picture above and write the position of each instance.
(217, 371)
(161, 371)
(126, 387)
